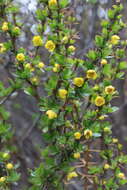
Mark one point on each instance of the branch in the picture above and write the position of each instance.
(6, 98)
(30, 129)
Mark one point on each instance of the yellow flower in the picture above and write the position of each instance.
(37, 41)
(32, 69)
(50, 45)
(9, 166)
(16, 30)
(103, 182)
(52, 3)
(41, 65)
(29, 67)
(115, 40)
(51, 114)
(20, 57)
(62, 93)
(115, 140)
(5, 26)
(99, 101)
(121, 175)
(65, 39)
(78, 81)
(104, 62)
(77, 155)
(109, 89)
(35, 80)
(71, 48)
(106, 166)
(71, 175)
(107, 130)
(2, 179)
(57, 65)
(77, 135)
(2, 48)
(56, 68)
(120, 146)
(102, 117)
(91, 74)
(88, 134)
(6, 155)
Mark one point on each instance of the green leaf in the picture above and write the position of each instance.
(107, 69)
(99, 40)
(51, 84)
(94, 170)
(14, 176)
(5, 115)
(111, 13)
(123, 181)
(30, 91)
(112, 109)
(63, 3)
(123, 65)
(91, 1)
(92, 55)
(120, 75)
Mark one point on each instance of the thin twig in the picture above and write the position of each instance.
(30, 129)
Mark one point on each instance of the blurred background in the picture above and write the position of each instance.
(23, 108)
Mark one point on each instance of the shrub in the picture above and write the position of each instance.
(75, 106)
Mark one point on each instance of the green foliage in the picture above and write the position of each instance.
(91, 1)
